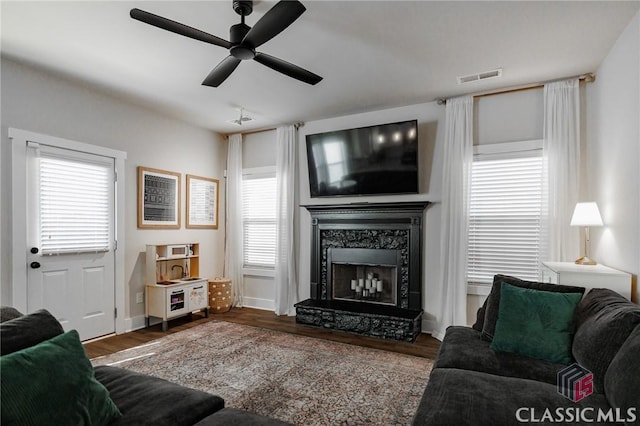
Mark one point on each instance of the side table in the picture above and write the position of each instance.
(588, 276)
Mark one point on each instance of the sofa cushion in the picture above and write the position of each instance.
(150, 400)
(536, 323)
(28, 330)
(605, 320)
(8, 313)
(53, 383)
(459, 397)
(480, 317)
(463, 348)
(493, 300)
(622, 379)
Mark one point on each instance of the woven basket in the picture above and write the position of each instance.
(220, 298)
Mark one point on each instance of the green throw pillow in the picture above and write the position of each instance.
(52, 383)
(536, 323)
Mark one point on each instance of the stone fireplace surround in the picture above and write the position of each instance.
(384, 227)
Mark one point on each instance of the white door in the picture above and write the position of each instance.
(70, 214)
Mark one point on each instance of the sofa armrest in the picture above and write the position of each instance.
(144, 399)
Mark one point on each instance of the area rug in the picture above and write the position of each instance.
(302, 380)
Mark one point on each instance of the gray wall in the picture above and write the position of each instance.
(42, 102)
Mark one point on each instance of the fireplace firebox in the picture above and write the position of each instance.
(366, 269)
(364, 275)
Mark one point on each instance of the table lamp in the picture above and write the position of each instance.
(586, 214)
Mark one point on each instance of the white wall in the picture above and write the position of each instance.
(259, 150)
(512, 117)
(430, 118)
(506, 117)
(613, 154)
(41, 102)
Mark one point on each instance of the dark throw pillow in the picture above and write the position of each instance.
(28, 330)
(53, 383)
(536, 323)
(493, 300)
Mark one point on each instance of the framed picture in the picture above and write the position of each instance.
(158, 198)
(202, 202)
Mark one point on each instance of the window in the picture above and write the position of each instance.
(75, 206)
(259, 218)
(505, 211)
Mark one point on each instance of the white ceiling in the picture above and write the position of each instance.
(372, 55)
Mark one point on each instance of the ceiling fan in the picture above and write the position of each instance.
(243, 39)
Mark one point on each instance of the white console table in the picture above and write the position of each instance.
(588, 276)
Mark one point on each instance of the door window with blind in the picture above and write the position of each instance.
(259, 218)
(505, 211)
(76, 205)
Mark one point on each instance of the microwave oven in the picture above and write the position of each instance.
(178, 251)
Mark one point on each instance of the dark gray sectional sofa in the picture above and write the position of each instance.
(472, 384)
(140, 399)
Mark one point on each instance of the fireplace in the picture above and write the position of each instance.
(366, 269)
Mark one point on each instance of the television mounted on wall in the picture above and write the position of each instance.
(373, 160)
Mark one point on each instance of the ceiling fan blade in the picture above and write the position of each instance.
(287, 68)
(177, 27)
(279, 17)
(220, 73)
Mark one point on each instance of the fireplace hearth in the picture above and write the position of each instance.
(366, 269)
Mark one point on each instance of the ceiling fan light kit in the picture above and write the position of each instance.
(242, 119)
(243, 39)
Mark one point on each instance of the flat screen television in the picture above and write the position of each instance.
(372, 160)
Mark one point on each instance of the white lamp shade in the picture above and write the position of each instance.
(586, 214)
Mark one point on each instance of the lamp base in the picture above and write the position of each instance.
(586, 261)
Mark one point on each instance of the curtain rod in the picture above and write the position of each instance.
(270, 129)
(587, 78)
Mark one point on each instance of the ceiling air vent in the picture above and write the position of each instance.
(480, 76)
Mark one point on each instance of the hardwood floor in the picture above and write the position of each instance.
(424, 346)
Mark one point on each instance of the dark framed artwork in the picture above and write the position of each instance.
(202, 202)
(158, 198)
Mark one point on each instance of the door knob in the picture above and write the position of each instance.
(34, 250)
(35, 265)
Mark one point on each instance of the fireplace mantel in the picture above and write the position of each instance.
(358, 231)
(367, 208)
(385, 225)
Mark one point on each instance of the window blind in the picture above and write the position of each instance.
(504, 219)
(75, 206)
(259, 220)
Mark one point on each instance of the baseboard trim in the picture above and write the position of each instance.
(428, 327)
(257, 303)
(134, 323)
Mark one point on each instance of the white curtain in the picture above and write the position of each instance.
(285, 276)
(561, 152)
(458, 155)
(233, 219)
